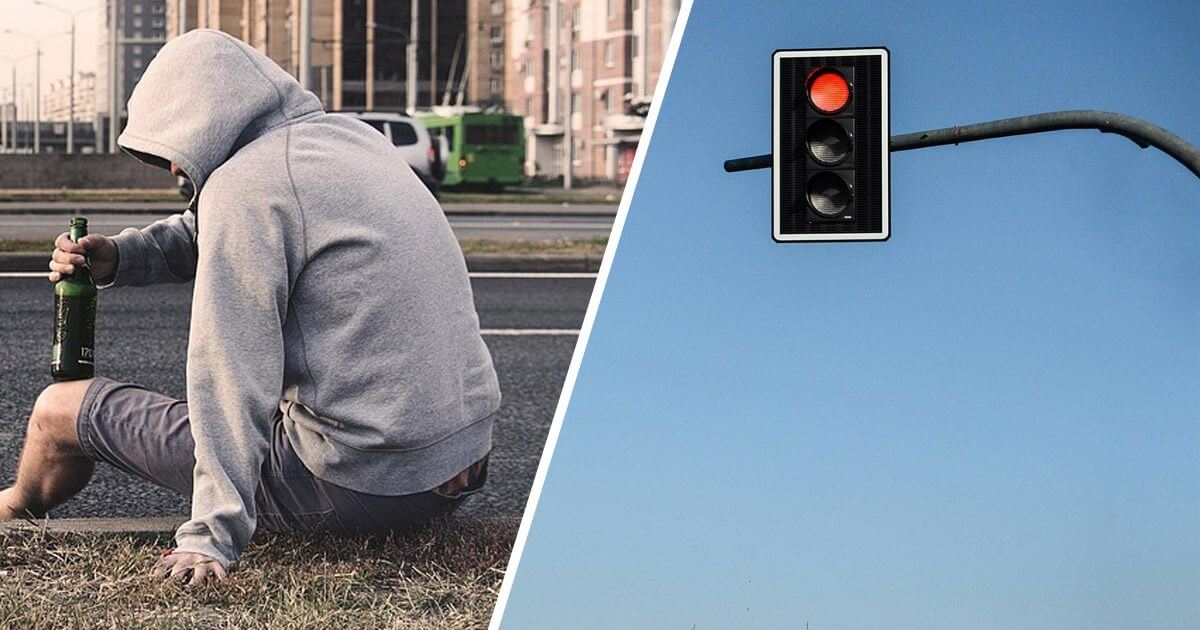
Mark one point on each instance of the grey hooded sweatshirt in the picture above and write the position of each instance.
(328, 288)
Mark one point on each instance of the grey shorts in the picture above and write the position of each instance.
(147, 434)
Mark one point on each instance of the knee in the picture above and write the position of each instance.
(54, 414)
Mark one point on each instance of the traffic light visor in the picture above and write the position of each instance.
(828, 90)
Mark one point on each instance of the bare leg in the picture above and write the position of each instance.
(53, 467)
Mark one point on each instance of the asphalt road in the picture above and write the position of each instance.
(505, 221)
(142, 338)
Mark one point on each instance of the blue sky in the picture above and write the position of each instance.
(989, 421)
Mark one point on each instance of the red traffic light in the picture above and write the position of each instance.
(828, 90)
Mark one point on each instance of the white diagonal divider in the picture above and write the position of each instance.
(610, 252)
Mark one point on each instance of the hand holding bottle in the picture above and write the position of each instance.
(101, 254)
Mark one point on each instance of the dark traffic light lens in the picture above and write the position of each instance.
(829, 194)
(828, 90)
(828, 142)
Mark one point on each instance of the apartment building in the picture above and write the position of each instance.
(589, 64)
(485, 62)
(56, 103)
(270, 26)
(140, 30)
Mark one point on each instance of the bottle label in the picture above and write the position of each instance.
(74, 335)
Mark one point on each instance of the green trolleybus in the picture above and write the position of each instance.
(482, 149)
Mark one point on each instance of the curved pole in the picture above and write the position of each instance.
(1142, 133)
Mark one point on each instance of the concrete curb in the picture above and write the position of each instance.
(456, 208)
(137, 526)
(535, 263)
(159, 525)
(516, 263)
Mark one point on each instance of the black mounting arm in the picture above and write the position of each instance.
(1142, 133)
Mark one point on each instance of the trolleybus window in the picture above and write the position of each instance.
(505, 134)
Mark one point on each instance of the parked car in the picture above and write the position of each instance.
(423, 153)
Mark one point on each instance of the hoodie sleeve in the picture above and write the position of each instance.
(235, 364)
(163, 251)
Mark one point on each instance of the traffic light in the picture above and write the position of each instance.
(830, 176)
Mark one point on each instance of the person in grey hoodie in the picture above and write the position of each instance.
(336, 376)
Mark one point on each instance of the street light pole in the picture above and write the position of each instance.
(37, 87)
(71, 115)
(305, 74)
(37, 101)
(568, 132)
(114, 85)
(414, 32)
(8, 115)
(369, 84)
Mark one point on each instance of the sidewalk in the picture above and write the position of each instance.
(451, 208)
(135, 526)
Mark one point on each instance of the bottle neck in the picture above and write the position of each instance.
(83, 273)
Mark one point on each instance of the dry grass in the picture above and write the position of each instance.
(26, 246)
(446, 575)
(557, 246)
(83, 194)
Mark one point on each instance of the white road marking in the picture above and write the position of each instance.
(547, 275)
(515, 275)
(529, 332)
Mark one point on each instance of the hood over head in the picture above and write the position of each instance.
(205, 95)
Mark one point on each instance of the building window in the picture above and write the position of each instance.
(137, 50)
(158, 8)
(611, 8)
(497, 34)
(495, 85)
(137, 8)
(497, 58)
(574, 102)
(610, 55)
(610, 98)
(158, 22)
(497, 7)
(604, 101)
(529, 68)
(528, 107)
(576, 60)
(137, 62)
(137, 22)
(575, 20)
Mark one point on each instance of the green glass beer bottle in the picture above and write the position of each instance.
(74, 355)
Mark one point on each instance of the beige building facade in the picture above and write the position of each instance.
(270, 26)
(589, 64)
(583, 70)
(56, 103)
(486, 62)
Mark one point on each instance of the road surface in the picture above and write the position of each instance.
(142, 336)
(504, 221)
